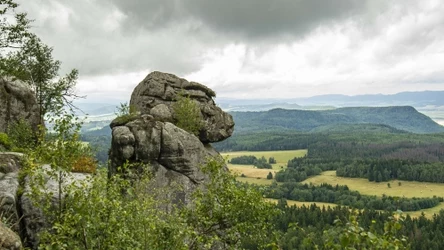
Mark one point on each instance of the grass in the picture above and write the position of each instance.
(429, 212)
(250, 180)
(303, 203)
(281, 157)
(252, 173)
(407, 189)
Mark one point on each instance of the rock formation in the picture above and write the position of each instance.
(158, 91)
(151, 141)
(10, 163)
(19, 211)
(17, 101)
(8, 239)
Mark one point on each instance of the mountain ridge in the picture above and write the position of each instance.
(404, 118)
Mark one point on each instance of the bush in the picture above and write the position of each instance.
(4, 141)
(21, 136)
(85, 164)
(269, 176)
(187, 115)
(125, 113)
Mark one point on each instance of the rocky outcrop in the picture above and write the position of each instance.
(20, 212)
(17, 101)
(8, 239)
(156, 94)
(10, 163)
(151, 142)
(173, 155)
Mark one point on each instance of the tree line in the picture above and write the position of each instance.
(342, 195)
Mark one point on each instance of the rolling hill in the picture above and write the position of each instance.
(404, 118)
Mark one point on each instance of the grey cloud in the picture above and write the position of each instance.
(246, 18)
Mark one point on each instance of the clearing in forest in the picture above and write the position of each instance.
(259, 176)
(407, 189)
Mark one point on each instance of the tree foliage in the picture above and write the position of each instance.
(25, 57)
(12, 32)
(187, 115)
(34, 64)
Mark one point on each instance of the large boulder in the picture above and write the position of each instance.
(17, 101)
(156, 94)
(173, 155)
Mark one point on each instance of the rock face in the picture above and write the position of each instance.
(172, 154)
(17, 101)
(10, 163)
(158, 91)
(150, 141)
(8, 239)
(19, 211)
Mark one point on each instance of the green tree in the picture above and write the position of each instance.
(33, 63)
(269, 176)
(187, 114)
(353, 236)
(227, 213)
(12, 33)
(271, 160)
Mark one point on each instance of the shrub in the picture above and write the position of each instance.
(4, 141)
(85, 164)
(125, 113)
(21, 136)
(187, 114)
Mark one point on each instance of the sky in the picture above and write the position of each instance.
(247, 49)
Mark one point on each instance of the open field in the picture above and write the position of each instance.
(250, 171)
(282, 157)
(429, 212)
(407, 189)
(303, 203)
(261, 181)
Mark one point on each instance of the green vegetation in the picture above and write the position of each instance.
(21, 136)
(25, 57)
(280, 156)
(391, 119)
(4, 141)
(408, 189)
(384, 170)
(187, 114)
(344, 196)
(125, 113)
(260, 163)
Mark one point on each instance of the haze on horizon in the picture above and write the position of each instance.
(248, 49)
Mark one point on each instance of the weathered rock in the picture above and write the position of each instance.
(156, 94)
(10, 163)
(9, 240)
(17, 101)
(173, 155)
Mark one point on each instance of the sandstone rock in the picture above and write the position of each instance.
(8, 239)
(173, 155)
(158, 91)
(10, 163)
(17, 101)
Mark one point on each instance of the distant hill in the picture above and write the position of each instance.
(416, 99)
(404, 118)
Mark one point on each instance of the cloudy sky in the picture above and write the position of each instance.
(248, 48)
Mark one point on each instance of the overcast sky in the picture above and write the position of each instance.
(248, 48)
